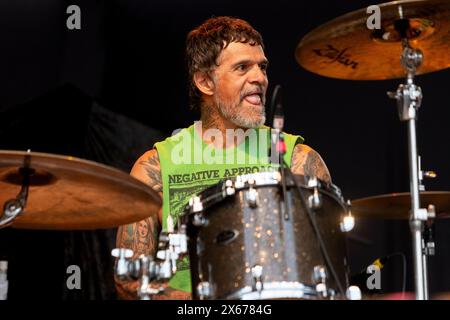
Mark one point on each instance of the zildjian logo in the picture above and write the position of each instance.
(336, 55)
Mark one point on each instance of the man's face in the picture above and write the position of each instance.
(240, 84)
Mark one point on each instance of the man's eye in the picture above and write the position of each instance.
(263, 66)
(242, 67)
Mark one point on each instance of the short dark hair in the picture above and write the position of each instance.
(205, 43)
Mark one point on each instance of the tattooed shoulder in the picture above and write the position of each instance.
(147, 169)
(307, 161)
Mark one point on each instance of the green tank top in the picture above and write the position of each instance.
(189, 166)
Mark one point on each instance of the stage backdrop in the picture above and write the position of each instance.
(108, 91)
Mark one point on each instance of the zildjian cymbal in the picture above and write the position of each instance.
(346, 48)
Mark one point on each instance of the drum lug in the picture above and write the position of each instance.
(252, 198)
(229, 189)
(196, 204)
(204, 290)
(257, 271)
(313, 182)
(239, 184)
(199, 220)
(315, 200)
(348, 222)
(320, 279)
(353, 293)
(276, 176)
(200, 247)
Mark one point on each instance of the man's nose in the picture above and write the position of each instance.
(258, 76)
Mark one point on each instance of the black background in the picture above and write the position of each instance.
(107, 92)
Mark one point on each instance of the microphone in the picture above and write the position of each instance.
(278, 114)
(278, 147)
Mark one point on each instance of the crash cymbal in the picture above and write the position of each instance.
(68, 193)
(397, 205)
(346, 48)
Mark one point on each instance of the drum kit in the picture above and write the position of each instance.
(268, 235)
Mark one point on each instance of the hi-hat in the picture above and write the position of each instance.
(397, 205)
(346, 48)
(68, 193)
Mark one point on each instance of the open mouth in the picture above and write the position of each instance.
(254, 98)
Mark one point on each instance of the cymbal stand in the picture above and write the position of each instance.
(409, 98)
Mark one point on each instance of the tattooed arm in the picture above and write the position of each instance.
(142, 236)
(308, 162)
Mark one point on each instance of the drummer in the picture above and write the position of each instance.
(228, 83)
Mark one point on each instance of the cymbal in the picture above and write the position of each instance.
(405, 296)
(346, 48)
(68, 193)
(397, 205)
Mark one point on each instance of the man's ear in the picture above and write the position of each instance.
(204, 83)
